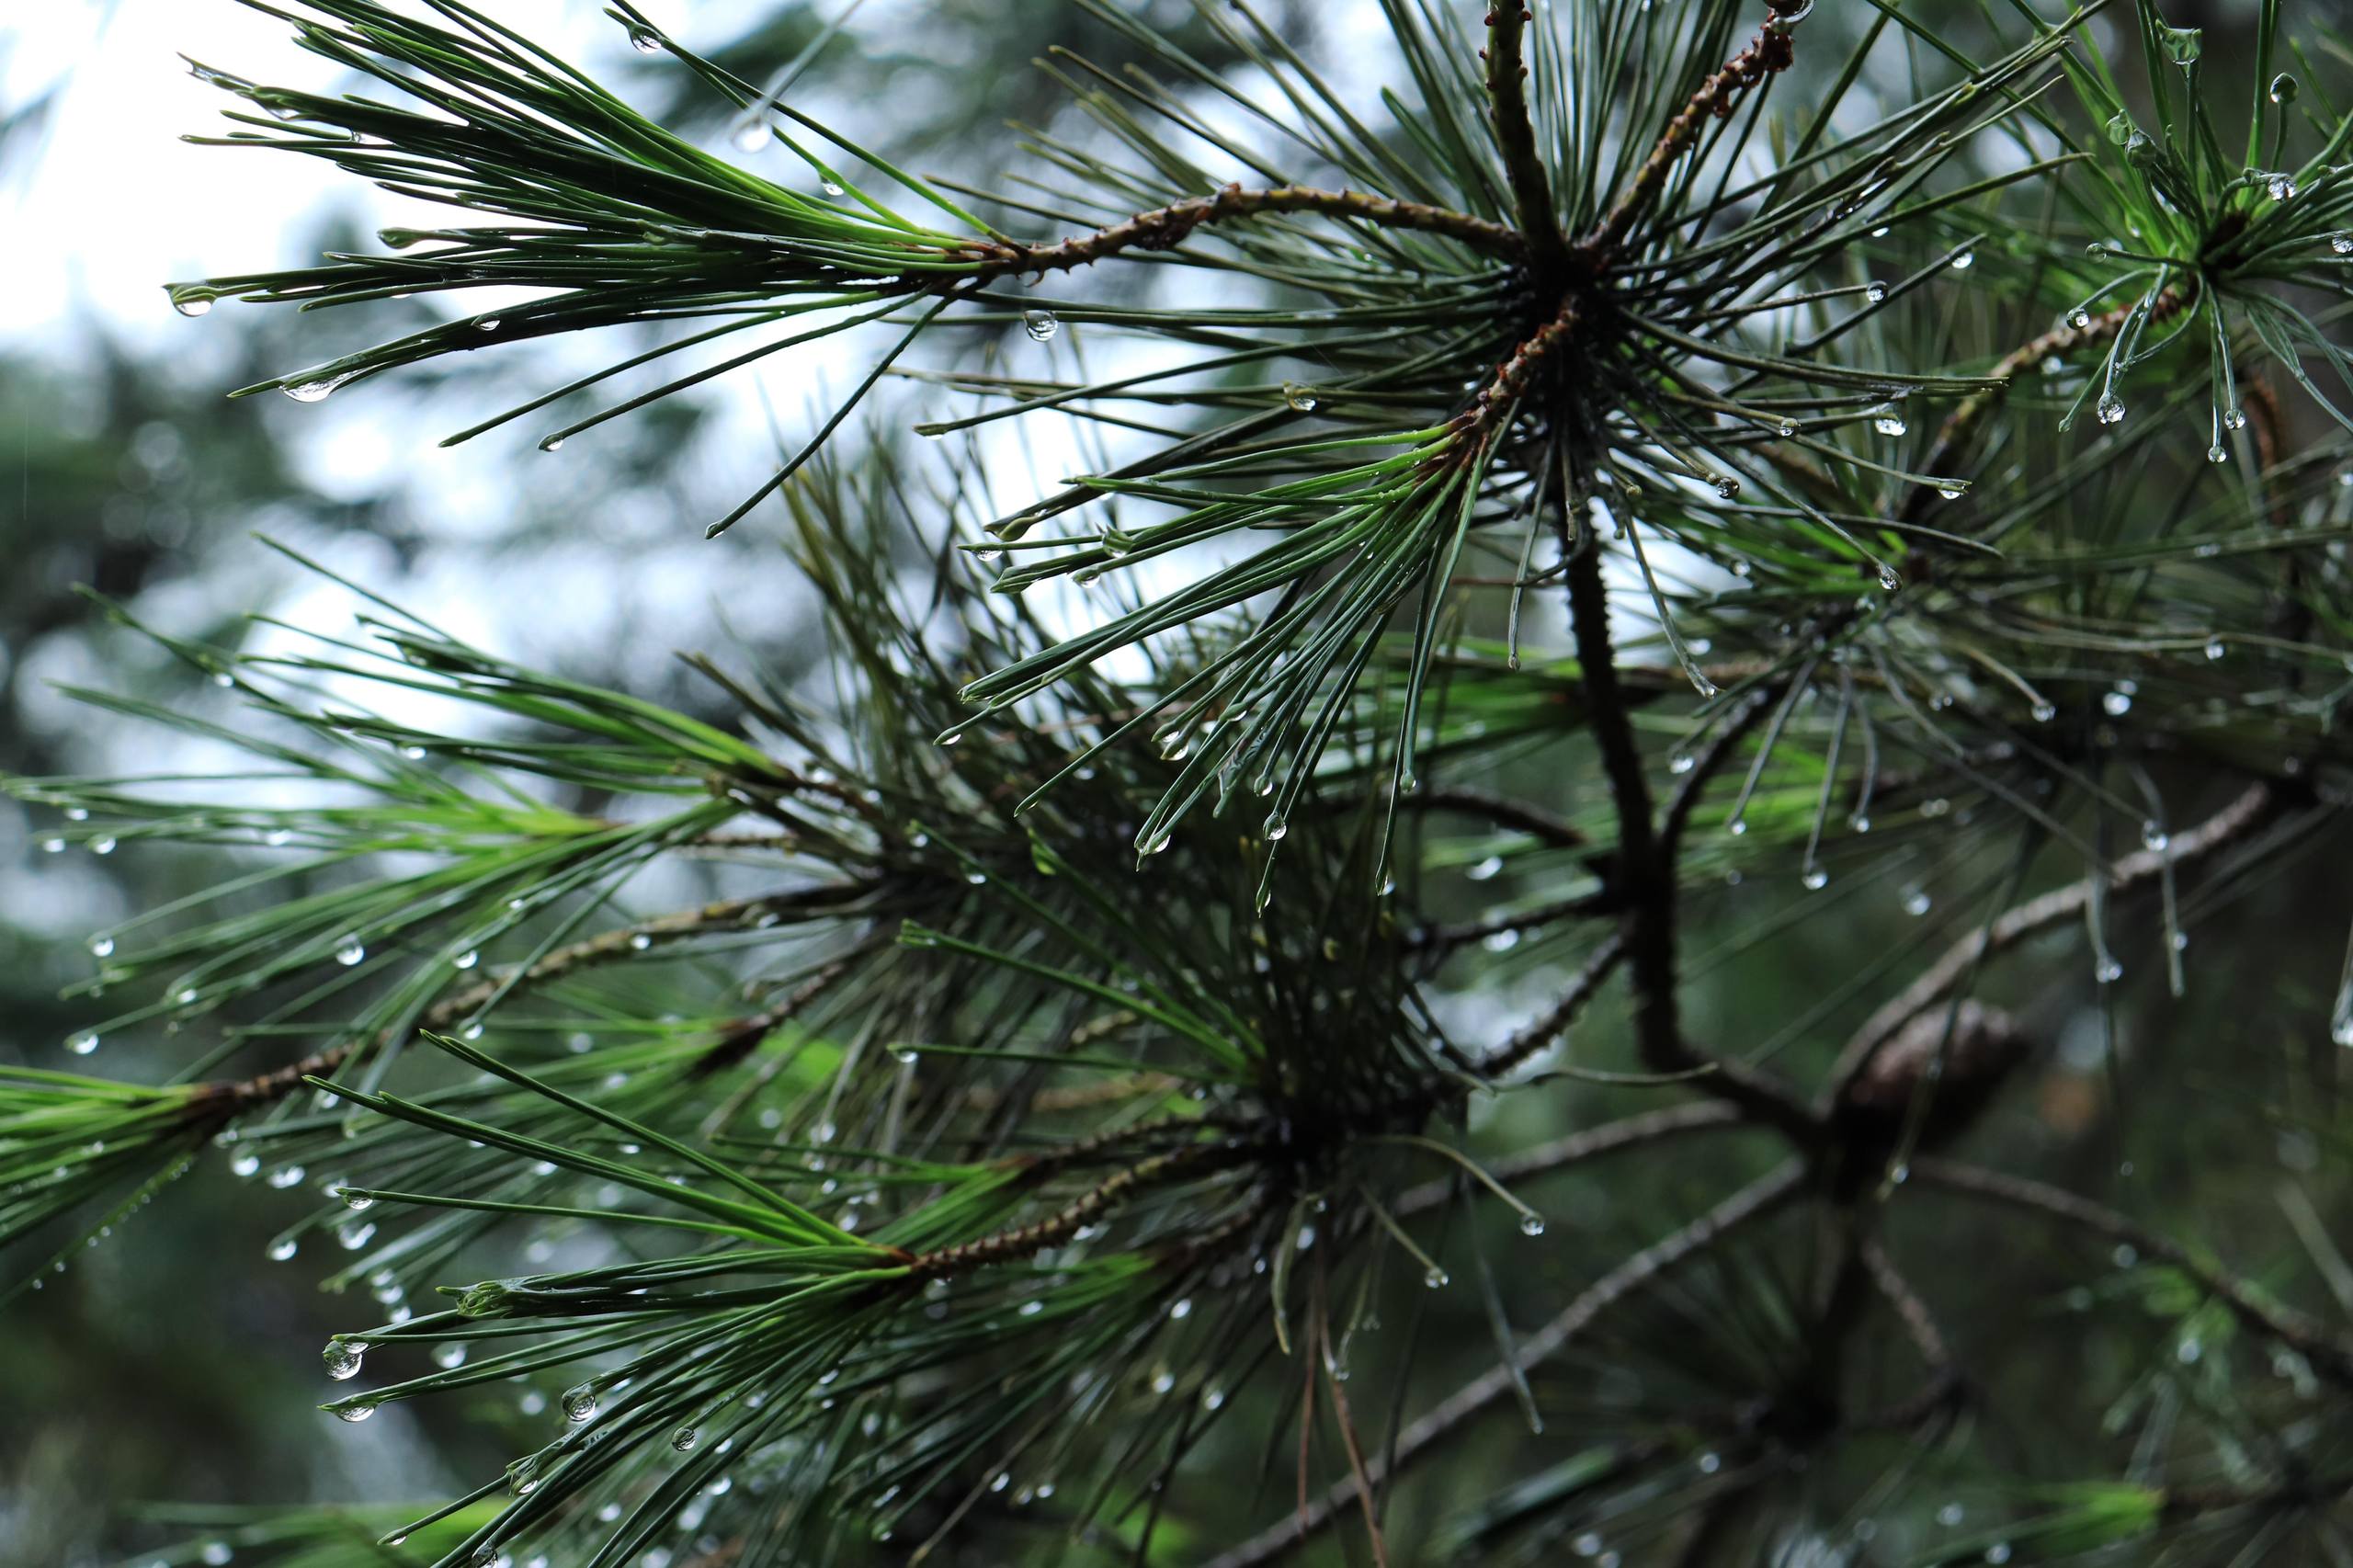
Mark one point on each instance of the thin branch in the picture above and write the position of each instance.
(1503, 811)
(1531, 191)
(1164, 228)
(2329, 1354)
(1645, 879)
(1770, 53)
(1751, 1202)
(2232, 823)
(1651, 1127)
(1546, 1029)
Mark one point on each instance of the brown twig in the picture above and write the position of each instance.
(1651, 1127)
(1770, 53)
(1646, 876)
(1425, 1432)
(2232, 823)
(1025, 1240)
(1546, 1029)
(2328, 1355)
(1531, 188)
(1164, 228)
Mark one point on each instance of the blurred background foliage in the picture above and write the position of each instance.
(179, 1368)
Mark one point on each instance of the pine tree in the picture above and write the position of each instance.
(1097, 1024)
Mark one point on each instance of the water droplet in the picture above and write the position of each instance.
(1181, 1308)
(2108, 972)
(352, 1237)
(2281, 187)
(1531, 1224)
(551, 443)
(1040, 325)
(1964, 261)
(751, 136)
(1727, 487)
(980, 879)
(190, 301)
(2117, 703)
(639, 940)
(2341, 243)
(1681, 763)
(1999, 1552)
(1302, 399)
(1814, 879)
(281, 1249)
(1435, 1279)
(342, 1357)
(311, 390)
(1917, 902)
(2235, 419)
(1875, 291)
(285, 1176)
(1588, 1545)
(215, 1553)
(579, 1404)
(245, 1164)
(2043, 711)
(1710, 1462)
(466, 959)
(83, 1042)
(1951, 492)
(2283, 88)
(645, 39)
(448, 1355)
(102, 845)
(1890, 424)
(52, 846)
(1276, 826)
(1860, 822)
(1888, 579)
(1950, 1515)
(1737, 826)
(351, 952)
(486, 323)
(684, 1438)
(354, 1199)
(2153, 837)
(830, 187)
(2079, 318)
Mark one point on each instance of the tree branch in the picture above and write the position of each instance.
(1531, 191)
(1751, 1202)
(2329, 1354)
(2232, 823)
(1651, 1127)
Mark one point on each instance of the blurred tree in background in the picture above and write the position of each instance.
(1483, 815)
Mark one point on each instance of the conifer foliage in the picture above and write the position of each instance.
(1101, 1019)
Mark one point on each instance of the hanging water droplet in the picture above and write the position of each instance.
(1737, 826)
(2235, 419)
(640, 941)
(354, 1412)
(1040, 325)
(352, 1237)
(1681, 763)
(189, 301)
(285, 1176)
(1964, 260)
(102, 845)
(2280, 186)
(2215, 454)
(2044, 711)
(1435, 1279)
(2117, 703)
(53, 846)
(1301, 399)
(1501, 942)
(751, 136)
(2341, 243)
(684, 1438)
(313, 391)
(1917, 902)
(2108, 972)
(580, 1402)
(1890, 424)
(2111, 409)
(215, 1553)
(342, 1357)
(1815, 878)
(2079, 318)
(351, 952)
(1276, 826)
(281, 1249)
(277, 838)
(1888, 578)
(1531, 1224)
(245, 1164)
(2153, 837)
(1951, 492)
(354, 1199)
(82, 1043)
(1486, 870)
(1875, 291)
(466, 959)
(1181, 1308)
(645, 39)
(1727, 488)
